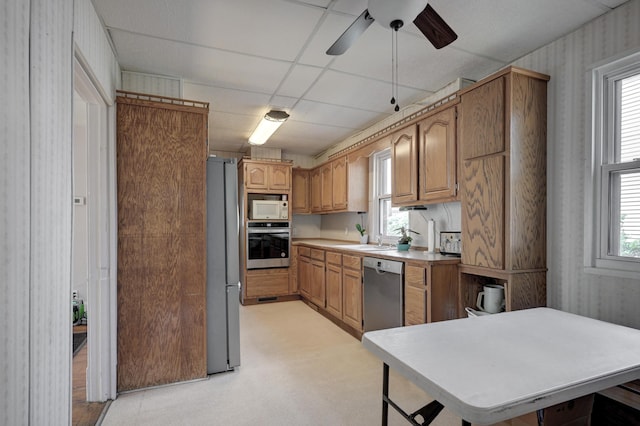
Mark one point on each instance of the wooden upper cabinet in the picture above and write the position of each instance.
(267, 176)
(482, 119)
(279, 177)
(404, 165)
(503, 140)
(326, 196)
(256, 176)
(339, 183)
(437, 148)
(316, 190)
(300, 190)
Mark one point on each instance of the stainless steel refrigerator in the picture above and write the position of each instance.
(223, 268)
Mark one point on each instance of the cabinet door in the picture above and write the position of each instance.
(334, 290)
(317, 283)
(415, 307)
(267, 282)
(256, 176)
(483, 197)
(482, 120)
(340, 183)
(442, 292)
(327, 187)
(293, 270)
(352, 298)
(404, 166)
(279, 177)
(316, 190)
(304, 276)
(300, 197)
(437, 148)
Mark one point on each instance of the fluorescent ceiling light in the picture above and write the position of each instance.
(269, 124)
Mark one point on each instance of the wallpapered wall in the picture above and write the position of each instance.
(567, 61)
(35, 201)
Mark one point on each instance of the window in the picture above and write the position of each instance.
(615, 239)
(387, 218)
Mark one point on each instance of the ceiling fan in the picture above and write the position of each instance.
(393, 14)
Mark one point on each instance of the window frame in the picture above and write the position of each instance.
(604, 131)
(377, 158)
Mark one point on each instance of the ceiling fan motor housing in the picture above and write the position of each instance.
(385, 12)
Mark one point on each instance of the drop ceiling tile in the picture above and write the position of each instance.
(518, 28)
(306, 138)
(228, 100)
(275, 29)
(361, 93)
(333, 115)
(195, 63)
(299, 80)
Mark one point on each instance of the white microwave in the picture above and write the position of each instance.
(269, 209)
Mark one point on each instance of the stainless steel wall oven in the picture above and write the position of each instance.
(268, 244)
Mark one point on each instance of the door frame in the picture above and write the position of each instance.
(101, 236)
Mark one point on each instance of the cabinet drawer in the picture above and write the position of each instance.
(304, 251)
(414, 306)
(414, 276)
(317, 254)
(267, 282)
(334, 258)
(351, 262)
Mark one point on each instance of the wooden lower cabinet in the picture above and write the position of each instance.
(352, 291)
(431, 292)
(267, 282)
(334, 284)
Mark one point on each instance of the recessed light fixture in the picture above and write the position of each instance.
(268, 125)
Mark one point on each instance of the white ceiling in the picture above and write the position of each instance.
(246, 57)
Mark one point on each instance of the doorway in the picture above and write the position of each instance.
(93, 241)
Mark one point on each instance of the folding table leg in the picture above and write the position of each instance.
(385, 394)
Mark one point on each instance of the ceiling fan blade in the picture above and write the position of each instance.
(352, 33)
(438, 32)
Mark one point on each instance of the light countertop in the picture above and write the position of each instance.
(372, 250)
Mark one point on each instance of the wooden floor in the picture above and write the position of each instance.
(84, 413)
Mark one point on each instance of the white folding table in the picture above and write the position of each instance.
(496, 367)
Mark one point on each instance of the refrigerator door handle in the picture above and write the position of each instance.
(233, 325)
(232, 223)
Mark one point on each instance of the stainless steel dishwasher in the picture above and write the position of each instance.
(383, 294)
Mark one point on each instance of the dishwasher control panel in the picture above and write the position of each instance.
(384, 265)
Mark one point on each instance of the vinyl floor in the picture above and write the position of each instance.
(298, 368)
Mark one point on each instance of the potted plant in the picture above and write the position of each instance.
(404, 242)
(364, 238)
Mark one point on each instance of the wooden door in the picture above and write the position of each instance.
(442, 292)
(317, 283)
(415, 298)
(327, 187)
(404, 165)
(316, 190)
(301, 186)
(483, 212)
(437, 148)
(256, 176)
(304, 276)
(352, 297)
(334, 289)
(482, 120)
(340, 183)
(279, 177)
(293, 270)
(161, 155)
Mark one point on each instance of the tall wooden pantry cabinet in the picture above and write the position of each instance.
(161, 167)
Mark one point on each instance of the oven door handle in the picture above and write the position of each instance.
(268, 231)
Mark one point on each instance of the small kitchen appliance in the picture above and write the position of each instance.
(450, 243)
(269, 209)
